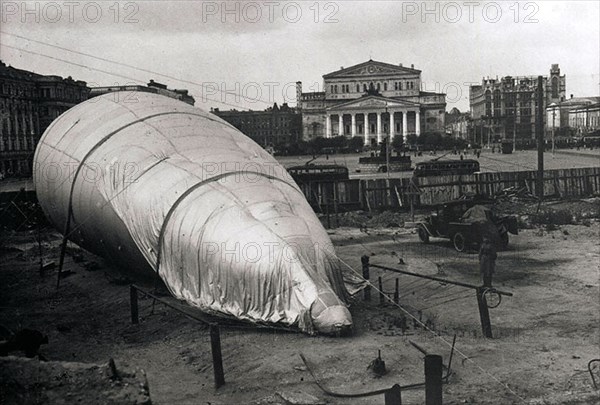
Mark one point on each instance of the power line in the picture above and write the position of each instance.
(101, 70)
(203, 85)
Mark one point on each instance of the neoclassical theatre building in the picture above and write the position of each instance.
(373, 100)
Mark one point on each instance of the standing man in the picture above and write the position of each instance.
(487, 261)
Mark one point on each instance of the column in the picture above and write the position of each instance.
(366, 125)
(392, 126)
(378, 127)
(341, 124)
(405, 125)
(16, 123)
(328, 126)
(417, 123)
(353, 128)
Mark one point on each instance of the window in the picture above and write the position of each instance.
(488, 103)
(555, 87)
(497, 103)
(384, 86)
(358, 88)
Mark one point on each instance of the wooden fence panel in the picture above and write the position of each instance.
(380, 194)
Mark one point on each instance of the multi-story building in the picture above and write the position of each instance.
(152, 87)
(29, 102)
(506, 108)
(585, 120)
(457, 124)
(372, 100)
(273, 127)
(557, 114)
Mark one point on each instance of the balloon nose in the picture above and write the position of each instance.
(334, 320)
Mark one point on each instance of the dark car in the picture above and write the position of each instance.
(448, 222)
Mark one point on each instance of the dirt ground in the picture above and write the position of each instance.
(544, 335)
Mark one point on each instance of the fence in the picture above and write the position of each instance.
(378, 194)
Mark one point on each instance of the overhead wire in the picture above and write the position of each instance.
(225, 103)
(153, 72)
(437, 335)
(102, 71)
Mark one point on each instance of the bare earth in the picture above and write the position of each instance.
(544, 335)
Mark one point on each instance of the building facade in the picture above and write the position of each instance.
(585, 120)
(274, 127)
(372, 100)
(457, 124)
(29, 102)
(560, 119)
(152, 87)
(506, 108)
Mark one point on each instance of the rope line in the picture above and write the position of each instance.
(437, 335)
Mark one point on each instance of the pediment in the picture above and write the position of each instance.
(371, 68)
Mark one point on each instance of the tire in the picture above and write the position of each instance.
(504, 240)
(423, 235)
(460, 243)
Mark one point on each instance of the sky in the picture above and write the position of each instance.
(249, 54)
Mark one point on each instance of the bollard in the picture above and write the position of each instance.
(484, 313)
(381, 296)
(393, 396)
(133, 302)
(365, 269)
(433, 379)
(397, 293)
(215, 345)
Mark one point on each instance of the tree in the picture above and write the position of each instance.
(411, 139)
(398, 143)
(356, 143)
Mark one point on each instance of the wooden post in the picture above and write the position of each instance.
(397, 293)
(539, 131)
(39, 240)
(215, 346)
(133, 302)
(365, 269)
(484, 313)
(433, 379)
(367, 197)
(381, 296)
(327, 211)
(335, 206)
(63, 246)
(393, 396)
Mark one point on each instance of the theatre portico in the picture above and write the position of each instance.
(374, 101)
